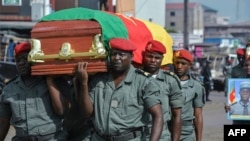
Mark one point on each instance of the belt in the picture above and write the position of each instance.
(187, 122)
(36, 137)
(123, 137)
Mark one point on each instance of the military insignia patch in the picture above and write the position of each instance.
(114, 103)
(149, 46)
(146, 73)
(177, 54)
(171, 73)
(143, 72)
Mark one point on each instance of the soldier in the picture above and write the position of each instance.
(193, 92)
(227, 69)
(238, 70)
(207, 79)
(28, 106)
(118, 100)
(172, 99)
(78, 127)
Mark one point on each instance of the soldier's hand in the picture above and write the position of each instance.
(227, 107)
(49, 79)
(81, 72)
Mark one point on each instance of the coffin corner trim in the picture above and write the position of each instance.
(97, 50)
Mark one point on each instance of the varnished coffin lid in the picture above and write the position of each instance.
(65, 28)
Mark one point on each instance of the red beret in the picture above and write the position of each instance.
(183, 53)
(240, 51)
(22, 47)
(122, 44)
(155, 46)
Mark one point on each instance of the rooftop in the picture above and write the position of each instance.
(179, 5)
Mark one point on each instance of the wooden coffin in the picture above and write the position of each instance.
(57, 46)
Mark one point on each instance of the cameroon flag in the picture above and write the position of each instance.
(138, 31)
(232, 96)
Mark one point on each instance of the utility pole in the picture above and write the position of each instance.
(185, 34)
(237, 9)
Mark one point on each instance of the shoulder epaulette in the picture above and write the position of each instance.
(140, 71)
(196, 78)
(171, 73)
(12, 79)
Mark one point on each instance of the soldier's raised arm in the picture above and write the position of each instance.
(85, 103)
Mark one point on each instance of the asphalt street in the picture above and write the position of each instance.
(213, 114)
(214, 117)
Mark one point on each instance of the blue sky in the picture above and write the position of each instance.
(229, 8)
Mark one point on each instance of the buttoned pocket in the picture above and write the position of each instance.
(17, 107)
(47, 129)
(43, 101)
(129, 104)
(189, 96)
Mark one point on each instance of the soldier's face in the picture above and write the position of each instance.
(120, 60)
(245, 94)
(181, 66)
(152, 61)
(22, 64)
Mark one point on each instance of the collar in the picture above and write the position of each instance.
(190, 81)
(130, 76)
(160, 75)
(241, 103)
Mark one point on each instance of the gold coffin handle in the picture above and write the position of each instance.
(66, 53)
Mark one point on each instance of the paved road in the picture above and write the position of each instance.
(214, 119)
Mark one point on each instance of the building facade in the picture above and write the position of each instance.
(15, 11)
(229, 35)
(34, 10)
(210, 15)
(175, 17)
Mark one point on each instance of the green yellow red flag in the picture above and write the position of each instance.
(138, 31)
(232, 96)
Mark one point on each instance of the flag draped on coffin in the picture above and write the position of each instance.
(116, 25)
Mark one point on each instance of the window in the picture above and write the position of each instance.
(172, 14)
(11, 2)
(172, 24)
